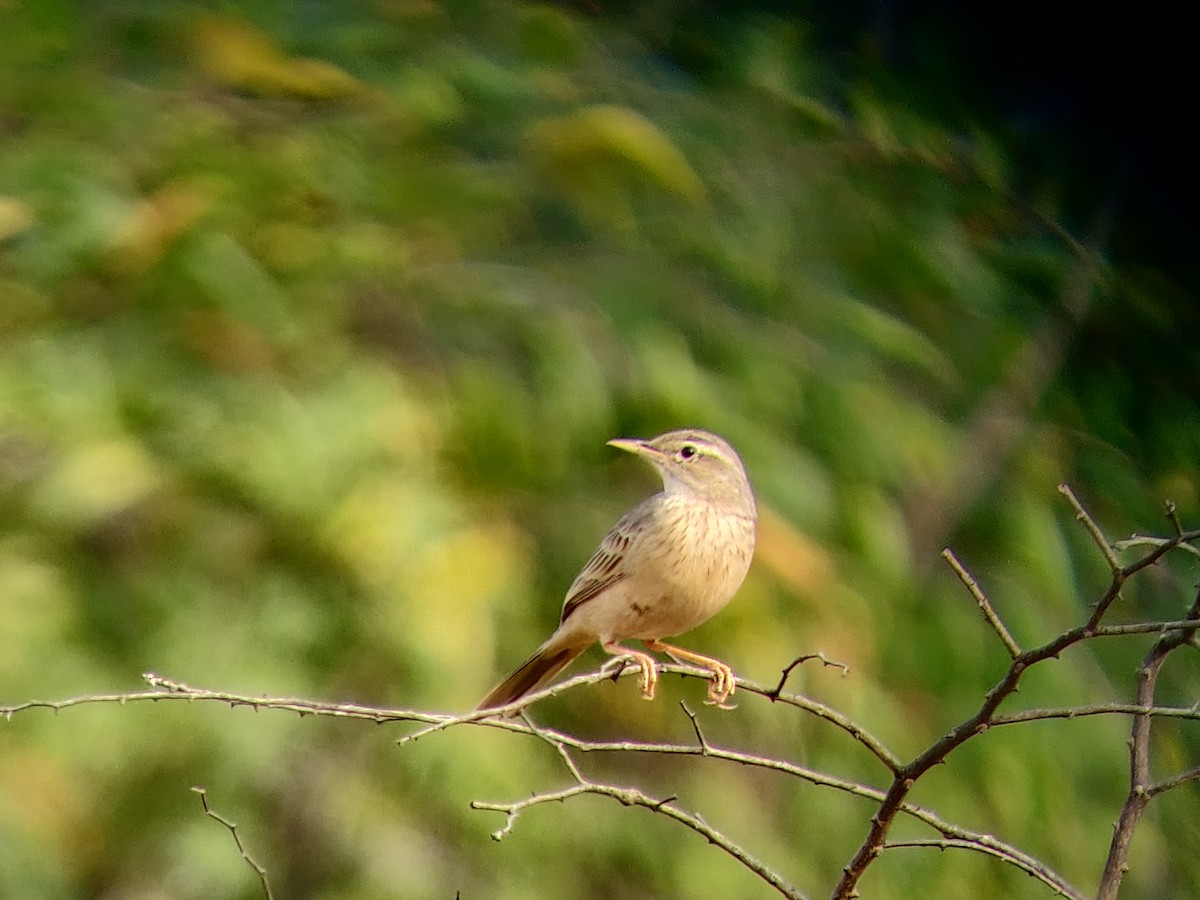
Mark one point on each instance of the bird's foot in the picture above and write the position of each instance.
(648, 674)
(723, 683)
(722, 686)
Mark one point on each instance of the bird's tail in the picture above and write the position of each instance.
(533, 674)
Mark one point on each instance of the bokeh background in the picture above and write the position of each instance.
(314, 320)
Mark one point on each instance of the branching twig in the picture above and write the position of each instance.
(800, 660)
(1141, 540)
(986, 842)
(169, 690)
(700, 739)
(1141, 788)
(633, 797)
(889, 803)
(237, 839)
(907, 775)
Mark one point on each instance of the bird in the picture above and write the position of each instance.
(669, 565)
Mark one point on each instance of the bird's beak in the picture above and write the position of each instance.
(636, 446)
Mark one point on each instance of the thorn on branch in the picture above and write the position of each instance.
(657, 806)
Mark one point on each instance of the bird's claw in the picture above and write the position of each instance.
(648, 679)
(722, 686)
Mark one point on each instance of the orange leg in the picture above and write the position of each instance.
(723, 683)
(648, 679)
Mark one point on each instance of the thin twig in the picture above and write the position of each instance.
(1114, 565)
(956, 844)
(984, 604)
(237, 840)
(513, 810)
(634, 797)
(605, 673)
(1143, 628)
(993, 846)
(168, 690)
(700, 739)
(1140, 784)
(1168, 784)
(890, 803)
(1098, 709)
(1141, 540)
(800, 660)
(907, 775)
(1171, 511)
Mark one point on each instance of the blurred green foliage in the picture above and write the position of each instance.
(314, 319)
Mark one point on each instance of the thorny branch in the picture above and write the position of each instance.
(1141, 789)
(889, 803)
(907, 775)
(984, 842)
(237, 840)
(628, 796)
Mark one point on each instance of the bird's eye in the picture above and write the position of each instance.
(687, 451)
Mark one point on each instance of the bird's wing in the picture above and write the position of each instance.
(605, 568)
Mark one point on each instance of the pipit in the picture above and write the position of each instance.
(669, 565)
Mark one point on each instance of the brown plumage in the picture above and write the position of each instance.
(667, 566)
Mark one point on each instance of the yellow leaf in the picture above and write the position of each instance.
(99, 480)
(157, 222)
(234, 53)
(597, 155)
(15, 217)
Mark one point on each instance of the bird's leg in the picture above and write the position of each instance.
(723, 683)
(648, 679)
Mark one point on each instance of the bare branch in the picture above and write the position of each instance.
(799, 660)
(605, 673)
(169, 690)
(1144, 628)
(633, 797)
(985, 605)
(1168, 784)
(1162, 547)
(1114, 565)
(1141, 540)
(1140, 785)
(513, 810)
(665, 807)
(947, 829)
(889, 803)
(956, 844)
(700, 739)
(907, 775)
(1098, 709)
(1171, 511)
(237, 839)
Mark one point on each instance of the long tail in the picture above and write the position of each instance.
(533, 674)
